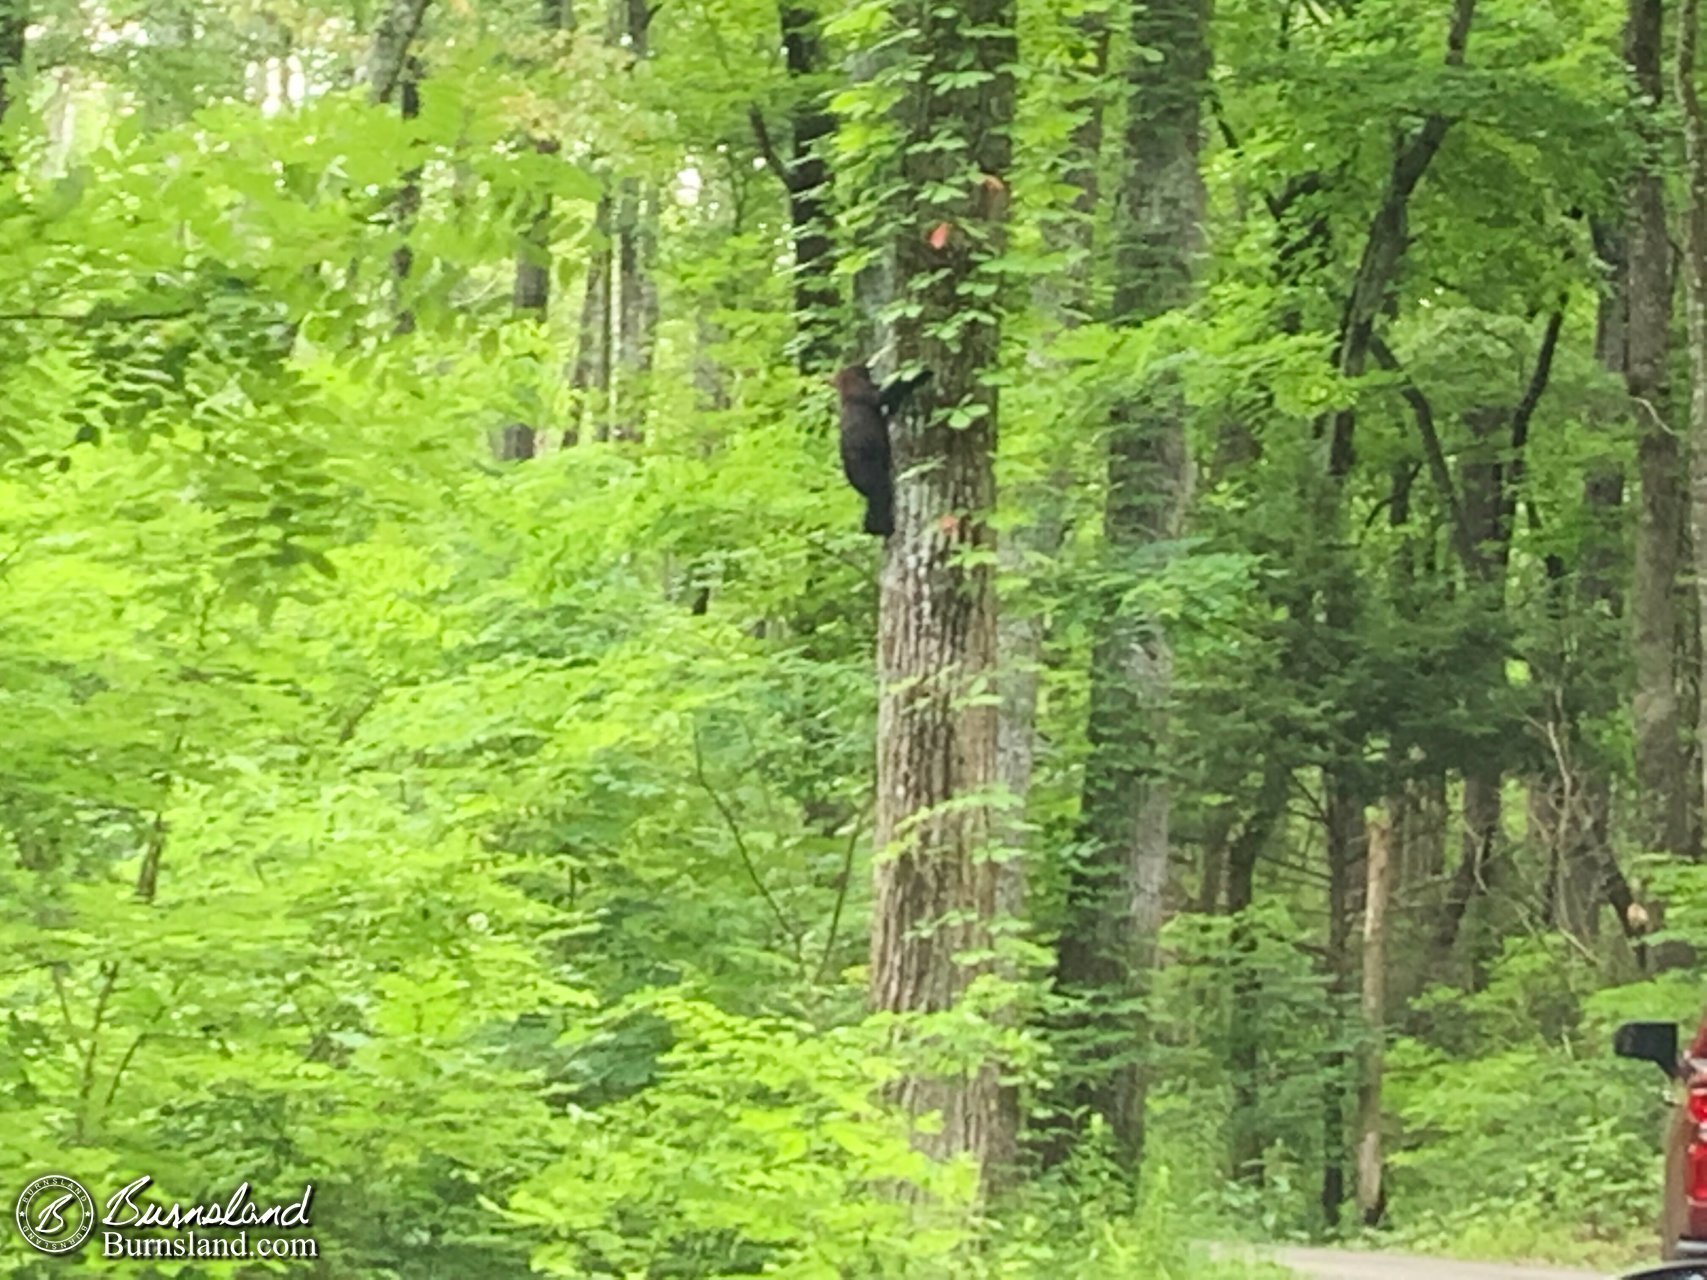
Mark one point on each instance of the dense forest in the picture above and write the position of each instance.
(465, 745)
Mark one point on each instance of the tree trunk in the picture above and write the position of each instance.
(636, 307)
(1479, 848)
(1689, 693)
(805, 177)
(1695, 308)
(406, 207)
(1660, 757)
(1244, 1049)
(589, 383)
(636, 251)
(1423, 842)
(531, 294)
(936, 893)
(1345, 840)
(1385, 244)
(1028, 553)
(388, 59)
(1114, 897)
(395, 72)
(1212, 865)
(1032, 548)
(14, 25)
(1371, 1196)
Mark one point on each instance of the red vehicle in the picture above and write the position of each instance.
(1683, 1217)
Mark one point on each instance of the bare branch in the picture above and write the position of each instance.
(1435, 455)
(93, 317)
(741, 850)
(1525, 411)
(767, 148)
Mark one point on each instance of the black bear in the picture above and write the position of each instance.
(865, 440)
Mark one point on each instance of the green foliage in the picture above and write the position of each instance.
(760, 1148)
(1511, 1112)
(488, 844)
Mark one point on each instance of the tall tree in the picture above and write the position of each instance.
(805, 176)
(531, 293)
(395, 71)
(936, 890)
(1695, 300)
(1371, 1194)
(1115, 897)
(1028, 554)
(1660, 756)
(590, 377)
(1385, 244)
(636, 294)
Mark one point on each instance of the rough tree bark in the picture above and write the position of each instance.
(1695, 304)
(1660, 756)
(1114, 896)
(935, 893)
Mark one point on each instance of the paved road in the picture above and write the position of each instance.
(1336, 1264)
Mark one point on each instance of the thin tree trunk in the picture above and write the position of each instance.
(1065, 301)
(1478, 850)
(1212, 867)
(805, 177)
(636, 292)
(1114, 903)
(531, 293)
(636, 307)
(816, 297)
(589, 383)
(1689, 693)
(407, 206)
(936, 893)
(1371, 1195)
(530, 296)
(1424, 839)
(1244, 1048)
(1589, 869)
(1028, 553)
(395, 71)
(1384, 248)
(1345, 840)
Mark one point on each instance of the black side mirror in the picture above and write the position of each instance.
(1677, 1270)
(1654, 1042)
